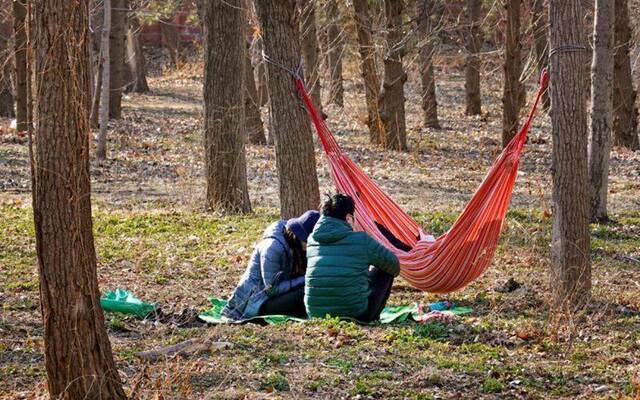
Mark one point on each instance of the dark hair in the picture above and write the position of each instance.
(299, 254)
(338, 206)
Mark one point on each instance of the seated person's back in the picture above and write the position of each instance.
(338, 280)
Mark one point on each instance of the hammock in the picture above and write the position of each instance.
(464, 252)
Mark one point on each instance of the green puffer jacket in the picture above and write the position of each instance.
(338, 260)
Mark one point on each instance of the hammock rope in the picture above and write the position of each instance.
(459, 256)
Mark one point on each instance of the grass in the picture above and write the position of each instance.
(145, 251)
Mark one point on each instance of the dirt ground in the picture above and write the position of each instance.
(154, 238)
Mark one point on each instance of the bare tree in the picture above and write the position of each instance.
(78, 357)
(541, 42)
(116, 56)
(224, 105)
(625, 117)
(105, 104)
(427, 49)
(513, 94)
(392, 95)
(472, 69)
(289, 124)
(369, 69)
(253, 119)
(135, 62)
(6, 93)
(335, 47)
(601, 108)
(309, 38)
(570, 249)
(20, 44)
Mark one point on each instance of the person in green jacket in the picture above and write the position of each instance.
(349, 274)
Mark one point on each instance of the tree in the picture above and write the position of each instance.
(369, 69)
(116, 59)
(78, 357)
(473, 46)
(601, 108)
(224, 105)
(105, 80)
(392, 95)
(309, 37)
(570, 250)
(253, 119)
(427, 50)
(625, 121)
(6, 94)
(135, 62)
(335, 48)
(171, 39)
(540, 38)
(20, 44)
(513, 94)
(295, 159)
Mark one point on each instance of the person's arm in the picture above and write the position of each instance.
(271, 259)
(381, 257)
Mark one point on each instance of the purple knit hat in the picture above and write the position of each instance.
(303, 225)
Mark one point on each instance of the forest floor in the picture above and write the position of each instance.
(154, 238)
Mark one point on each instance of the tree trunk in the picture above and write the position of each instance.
(105, 55)
(625, 117)
(224, 105)
(309, 39)
(473, 45)
(541, 41)
(570, 251)
(6, 94)
(116, 59)
(513, 94)
(171, 40)
(135, 57)
(96, 20)
(20, 43)
(601, 108)
(369, 69)
(261, 72)
(335, 48)
(290, 127)
(78, 356)
(427, 51)
(253, 119)
(392, 94)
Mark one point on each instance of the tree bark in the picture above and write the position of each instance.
(473, 45)
(78, 357)
(625, 117)
(6, 93)
(105, 61)
(427, 51)
(513, 94)
(20, 43)
(570, 251)
(96, 20)
(392, 94)
(601, 108)
(261, 77)
(309, 39)
(290, 127)
(135, 57)
(253, 119)
(541, 41)
(369, 70)
(224, 106)
(116, 59)
(171, 40)
(335, 47)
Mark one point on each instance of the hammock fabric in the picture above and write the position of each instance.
(460, 255)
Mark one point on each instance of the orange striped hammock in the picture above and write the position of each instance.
(459, 256)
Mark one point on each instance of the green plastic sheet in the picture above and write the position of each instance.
(389, 314)
(125, 302)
